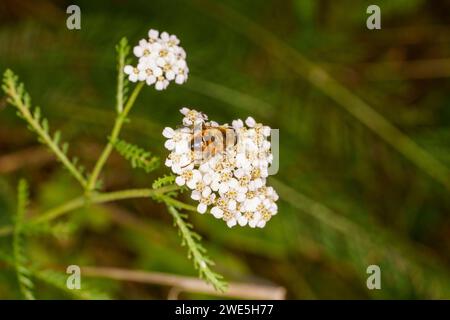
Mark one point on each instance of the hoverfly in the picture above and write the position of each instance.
(210, 140)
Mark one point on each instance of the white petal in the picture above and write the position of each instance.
(240, 197)
(206, 192)
(160, 61)
(217, 212)
(181, 63)
(274, 209)
(168, 132)
(191, 184)
(207, 178)
(242, 221)
(250, 122)
(182, 147)
(159, 85)
(231, 223)
(170, 75)
(180, 79)
(157, 71)
(133, 77)
(233, 183)
(164, 36)
(266, 131)
(150, 80)
(138, 51)
(169, 144)
(179, 181)
(128, 69)
(142, 76)
(184, 111)
(239, 173)
(215, 185)
(195, 195)
(261, 224)
(251, 204)
(153, 34)
(201, 208)
(184, 161)
(223, 188)
(176, 169)
(197, 176)
(232, 205)
(236, 124)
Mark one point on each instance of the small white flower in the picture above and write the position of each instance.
(230, 218)
(250, 122)
(143, 49)
(188, 177)
(220, 180)
(153, 35)
(250, 218)
(237, 124)
(171, 40)
(266, 131)
(161, 83)
(161, 60)
(217, 212)
(205, 202)
(132, 72)
(192, 117)
(168, 132)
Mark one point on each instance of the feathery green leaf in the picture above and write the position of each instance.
(196, 251)
(122, 49)
(138, 157)
(20, 259)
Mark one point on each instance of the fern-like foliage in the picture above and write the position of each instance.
(165, 180)
(19, 98)
(24, 275)
(196, 251)
(138, 157)
(122, 49)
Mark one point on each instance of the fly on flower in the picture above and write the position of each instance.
(209, 140)
(161, 60)
(225, 167)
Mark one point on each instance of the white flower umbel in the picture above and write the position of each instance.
(161, 60)
(231, 183)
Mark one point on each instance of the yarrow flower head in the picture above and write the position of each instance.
(224, 166)
(161, 60)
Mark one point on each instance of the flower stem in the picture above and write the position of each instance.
(120, 119)
(81, 201)
(100, 198)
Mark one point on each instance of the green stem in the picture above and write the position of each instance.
(178, 204)
(120, 81)
(96, 198)
(120, 119)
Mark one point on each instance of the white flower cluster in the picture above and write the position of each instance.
(231, 182)
(161, 60)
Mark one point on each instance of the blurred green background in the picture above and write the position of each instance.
(364, 160)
